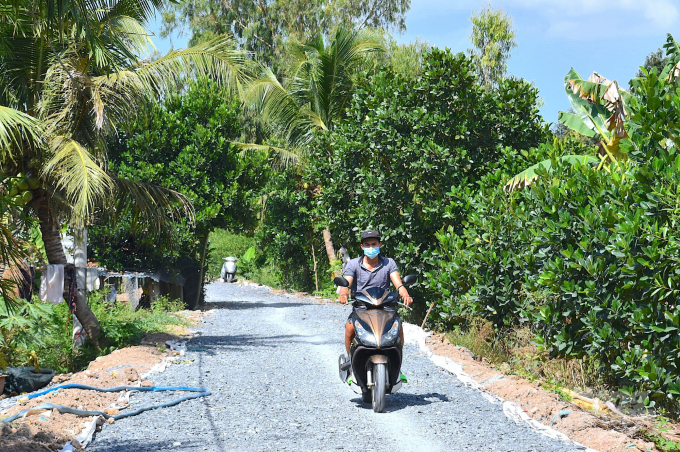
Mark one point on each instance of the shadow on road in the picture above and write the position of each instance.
(148, 446)
(240, 305)
(218, 344)
(402, 400)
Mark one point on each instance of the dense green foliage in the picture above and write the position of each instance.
(409, 144)
(45, 329)
(182, 144)
(257, 268)
(289, 236)
(589, 258)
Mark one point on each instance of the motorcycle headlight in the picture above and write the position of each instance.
(391, 334)
(364, 336)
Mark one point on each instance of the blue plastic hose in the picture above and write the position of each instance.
(200, 392)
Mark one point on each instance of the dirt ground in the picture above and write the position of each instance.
(604, 432)
(50, 430)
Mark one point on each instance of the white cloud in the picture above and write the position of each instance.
(663, 12)
(614, 15)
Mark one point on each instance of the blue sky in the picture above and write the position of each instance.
(611, 37)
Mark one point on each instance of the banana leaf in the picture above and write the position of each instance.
(576, 123)
(526, 177)
(600, 111)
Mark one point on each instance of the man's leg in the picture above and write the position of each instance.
(349, 335)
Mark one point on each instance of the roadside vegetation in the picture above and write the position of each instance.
(44, 330)
(549, 249)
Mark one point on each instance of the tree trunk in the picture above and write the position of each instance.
(329, 245)
(50, 231)
(55, 255)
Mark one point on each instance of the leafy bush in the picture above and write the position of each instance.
(409, 144)
(23, 329)
(46, 330)
(224, 243)
(184, 144)
(589, 258)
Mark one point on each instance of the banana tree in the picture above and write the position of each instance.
(599, 112)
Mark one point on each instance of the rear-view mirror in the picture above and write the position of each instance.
(409, 280)
(340, 281)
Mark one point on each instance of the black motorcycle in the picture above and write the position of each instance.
(376, 351)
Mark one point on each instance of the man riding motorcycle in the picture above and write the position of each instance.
(370, 270)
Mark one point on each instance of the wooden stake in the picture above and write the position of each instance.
(428, 314)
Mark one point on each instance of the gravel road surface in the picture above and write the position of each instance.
(271, 364)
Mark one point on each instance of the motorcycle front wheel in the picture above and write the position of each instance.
(380, 380)
(230, 277)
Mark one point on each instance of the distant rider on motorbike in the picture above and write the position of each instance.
(371, 270)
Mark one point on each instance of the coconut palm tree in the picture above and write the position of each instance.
(323, 74)
(71, 72)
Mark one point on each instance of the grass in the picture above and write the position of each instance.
(48, 332)
(663, 444)
(224, 244)
(514, 352)
(662, 424)
(479, 337)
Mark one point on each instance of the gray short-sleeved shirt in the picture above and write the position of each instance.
(364, 279)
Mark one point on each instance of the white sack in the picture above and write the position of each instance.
(52, 284)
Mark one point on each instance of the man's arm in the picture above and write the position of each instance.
(343, 297)
(403, 293)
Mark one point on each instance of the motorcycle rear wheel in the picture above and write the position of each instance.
(380, 381)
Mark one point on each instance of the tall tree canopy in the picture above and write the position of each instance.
(492, 39)
(264, 26)
(657, 59)
(406, 145)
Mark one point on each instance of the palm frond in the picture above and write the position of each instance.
(153, 208)
(320, 85)
(11, 253)
(15, 127)
(218, 59)
(267, 96)
(78, 176)
(128, 34)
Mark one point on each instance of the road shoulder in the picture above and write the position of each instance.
(597, 430)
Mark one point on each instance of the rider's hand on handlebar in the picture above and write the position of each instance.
(343, 298)
(403, 293)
